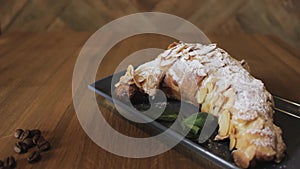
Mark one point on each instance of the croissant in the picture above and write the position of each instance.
(208, 76)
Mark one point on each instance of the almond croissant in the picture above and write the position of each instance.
(208, 76)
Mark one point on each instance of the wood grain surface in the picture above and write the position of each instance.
(271, 17)
(35, 92)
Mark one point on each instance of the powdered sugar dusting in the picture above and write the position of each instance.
(266, 137)
(264, 142)
(213, 63)
(264, 132)
(203, 60)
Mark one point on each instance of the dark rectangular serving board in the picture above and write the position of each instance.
(215, 154)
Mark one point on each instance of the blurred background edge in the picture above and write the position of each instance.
(279, 18)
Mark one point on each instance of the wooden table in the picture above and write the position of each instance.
(35, 92)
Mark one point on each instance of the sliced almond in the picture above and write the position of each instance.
(140, 78)
(232, 141)
(201, 95)
(229, 93)
(224, 123)
(257, 124)
(223, 87)
(131, 82)
(218, 137)
(216, 110)
(230, 98)
(220, 100)
(130, 70)
(210, 86)
(206, 106)
(151, 81)
(231, 128)
(172, 45)
(213, 105)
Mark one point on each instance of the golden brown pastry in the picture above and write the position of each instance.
(208, 76)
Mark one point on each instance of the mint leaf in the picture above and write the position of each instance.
(195, 122)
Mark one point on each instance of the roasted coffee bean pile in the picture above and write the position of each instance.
(27, 139)
(8, 163)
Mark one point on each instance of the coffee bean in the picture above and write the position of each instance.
(39, 140)
(20, 147)
(35, 139)
(34, 157)
(44, 146)
(10, 162)
(29, 142)
(24, 135)
(35, 132)
(18, 133)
